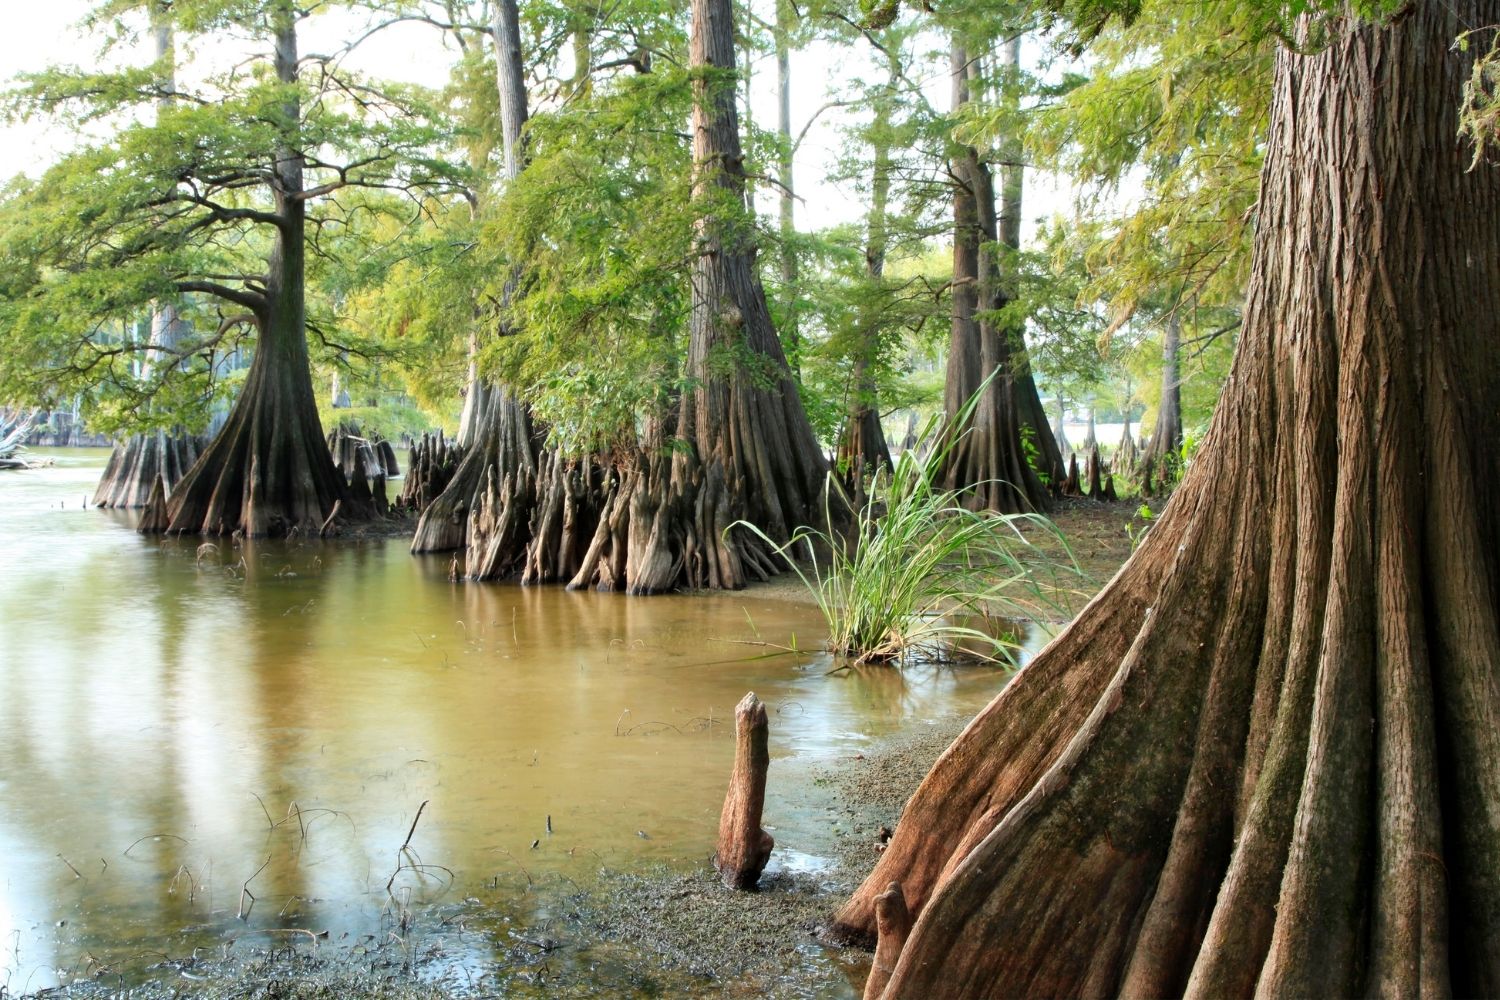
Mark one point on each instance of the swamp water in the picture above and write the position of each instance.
(204, 756)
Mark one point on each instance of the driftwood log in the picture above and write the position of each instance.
(14, 429)
(744, 848)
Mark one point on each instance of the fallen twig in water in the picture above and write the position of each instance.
(664, 725)
(417, 819)
(756, 642)
(150, 836)
(192, 883)
(270, 825)
(243, 913)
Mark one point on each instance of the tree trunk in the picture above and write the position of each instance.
(743, 846)
(430, 465)
(135, 465)
(1125, 454)
(1164, 453)
(862, 445)
(744, 447)
(1049, 455)
(785, 21)
(268, 472)
(1058, 434)
(1266, 758)
(659, 518)
(498, 438)
(987, 460)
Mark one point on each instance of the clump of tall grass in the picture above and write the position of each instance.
(919, 576)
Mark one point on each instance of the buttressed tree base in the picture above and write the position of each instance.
(1266, 758)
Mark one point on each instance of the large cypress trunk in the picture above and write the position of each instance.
(736, 447)
(137, 464)
(1266, 758)
(987, 460)
(268, 472)
(744, 447)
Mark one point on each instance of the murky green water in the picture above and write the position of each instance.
(197, 750)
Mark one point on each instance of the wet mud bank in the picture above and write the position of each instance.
(656, 932)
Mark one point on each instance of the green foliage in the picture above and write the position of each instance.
(1033, 454)
(178, 205)
(1179, 97)
(1204, 359)
(894, 321)
(390, 420)
(922, 577)
(1137, 531)
(602, 220)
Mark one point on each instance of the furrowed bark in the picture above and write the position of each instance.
(499, 439)
(737, 447)
(1264, 759)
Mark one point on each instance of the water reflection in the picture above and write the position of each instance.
(205, 744)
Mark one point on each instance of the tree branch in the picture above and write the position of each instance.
(245, 298)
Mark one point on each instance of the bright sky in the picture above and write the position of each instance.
(42, 34)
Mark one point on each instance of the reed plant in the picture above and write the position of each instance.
(920, 576)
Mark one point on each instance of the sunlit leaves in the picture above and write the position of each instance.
(601, 226)
(183, 200)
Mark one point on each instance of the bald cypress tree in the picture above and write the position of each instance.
(1265, 759)
(224, 195)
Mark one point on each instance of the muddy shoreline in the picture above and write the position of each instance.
(656, 932)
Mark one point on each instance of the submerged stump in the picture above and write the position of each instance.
(744, 848)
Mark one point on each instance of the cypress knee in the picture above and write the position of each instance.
(744, 848)
(892, 924)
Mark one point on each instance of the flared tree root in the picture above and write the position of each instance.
(1265, 760)
(137, 463)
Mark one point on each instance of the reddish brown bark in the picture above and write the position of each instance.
(1266, 758)
(987, 461)
(893, 924)
(743, 847)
